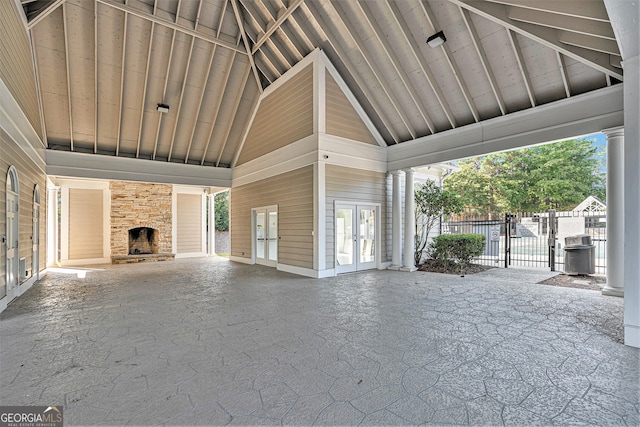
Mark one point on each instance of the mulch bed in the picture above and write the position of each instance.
(432, 266)
(590, 282)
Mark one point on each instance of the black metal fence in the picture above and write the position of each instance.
(527, 240)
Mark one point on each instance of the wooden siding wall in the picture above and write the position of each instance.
(28, 176)
(359, 186)
(293, 193)
(189, 223)
(16, 66)
(86, 223)
(283, 117)
(341, 118)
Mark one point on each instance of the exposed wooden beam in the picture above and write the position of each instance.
(424, 67)
(178, 10)
(182, 90)
(270, 66)
(224, 10)
(589, 42)
(233, 115)
(302, 37)
(144, 89)
(588, 9)
(66, 60)
(164, 93)
(563, 73)
(124, 52)
(562, 22)
(95, 77)
(283, 35)
(236, 11)
(466, 16)
(36, 76)
(278, 22)
(382, 81)
(214, 116)
(204, 89)
(448, 55)
(397, 64)
(335, 44)
(522, 66)
(172, 25)
(44, 13)
(546, 36)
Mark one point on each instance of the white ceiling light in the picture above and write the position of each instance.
(163, 108)
(437, 39)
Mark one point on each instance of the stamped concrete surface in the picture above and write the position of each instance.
(210, 342)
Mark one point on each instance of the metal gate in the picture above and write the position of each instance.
(534, 240)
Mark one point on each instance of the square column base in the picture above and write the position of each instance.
(632, 335)
(409, 269)
(613, 292)
(394, 267)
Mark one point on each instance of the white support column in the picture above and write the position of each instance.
(396, 222)
(615, 212)
(52, 226)
(632, 200)
(212, 225)
(409, 222)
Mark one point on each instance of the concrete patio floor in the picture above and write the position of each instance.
(210, 342)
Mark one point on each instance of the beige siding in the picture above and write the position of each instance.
(86, 236)
(342, 118)
(292, 192)
(189, 223)
(283, 117)
(28, 176)
(353, 185)
(16, 65)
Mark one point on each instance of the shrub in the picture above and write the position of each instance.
(456, 249)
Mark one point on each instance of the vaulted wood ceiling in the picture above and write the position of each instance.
(103, 66)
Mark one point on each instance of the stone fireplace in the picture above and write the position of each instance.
(141, 221)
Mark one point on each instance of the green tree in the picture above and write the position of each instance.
(431, 201)
(557, 176)
(221, 204)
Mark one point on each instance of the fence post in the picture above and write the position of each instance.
(552, 239)
(507, 239)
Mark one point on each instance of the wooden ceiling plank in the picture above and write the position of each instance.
(66, 59)
(546, 36)
(466, 16)
(424, 67)
(172, 25)
(452, 63)
(164, 93)
(395, 61)
(234, 113)
(311, 7)
(390, 93)
(236, 12)
(182, 90)
(217, 107)
(204, 89)
(144, 89)
(522, 66)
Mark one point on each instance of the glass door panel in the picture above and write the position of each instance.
(260, 237)
(272, 236)
(367, 235)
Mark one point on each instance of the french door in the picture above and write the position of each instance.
(265, 232)
(356, 228)
(12, 198)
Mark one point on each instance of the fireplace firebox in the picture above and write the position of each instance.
(143, 240)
